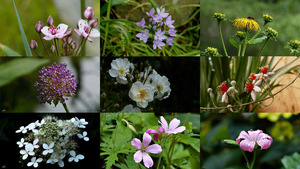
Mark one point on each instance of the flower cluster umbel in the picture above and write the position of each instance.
(158, 25)
(144, 148)
(86, 29)
(252, 85)
(56, 84)
(146, 86)
(51, 140)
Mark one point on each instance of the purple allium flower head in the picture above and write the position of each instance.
(159, 35)
(172, 32)
(150, 14)
(170, 40)
(169, 22)
(143, 35)
(162, 13)
(56, 84)
(141, 23)
(158, 43)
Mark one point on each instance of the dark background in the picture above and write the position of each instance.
(10, 156)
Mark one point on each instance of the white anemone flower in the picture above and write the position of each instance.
(85, 30)
(74, 157)
(48, 148)
(83, 135)
(35, 162)
(22, 129)
(160, 84)
(120, 68)
(27, 151)
(141, 94)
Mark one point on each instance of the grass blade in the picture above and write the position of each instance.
(8, 51)
(26, 45)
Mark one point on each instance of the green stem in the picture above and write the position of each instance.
(58, 47)
(257, 33)
(253, 161)
(259, 54)
(244, 46)
(219, 26)
(44, 44)
(66, 107)
(248, 165)
(161, 153)
(80, 43)
(239, 50)
(107, 24)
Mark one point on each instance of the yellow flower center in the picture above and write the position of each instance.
(142, 94)
(121, 71)
(159, 87)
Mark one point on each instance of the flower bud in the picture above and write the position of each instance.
(267, 18)
(210, 51)
(116, 105)
(64, 45)
(209, 90)
(271, 33)
(233, 83)
(33, 45)
(88, 13)
(103, 95)
(64, 53)
(69, 32)
(73, 45)
(219, 17)
(39, 26)
(94, 22)
(70, 40)
(294, 44)
(70, 51)
(50, 21)
(52, 49)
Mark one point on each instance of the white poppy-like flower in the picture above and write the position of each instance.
(83, 135)
(48, 148)
(35, 162)
(21, 143)
(22, 129)
(130, 109)
(120, 68)
(141, 94)
(85, 30)
(74, 157)
(27, 151)
(160, 84)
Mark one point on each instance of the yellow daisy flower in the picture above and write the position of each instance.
(246, 23)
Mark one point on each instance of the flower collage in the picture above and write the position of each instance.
(101, 84)
(249, 78)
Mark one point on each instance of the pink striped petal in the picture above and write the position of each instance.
(136, 143)
(138, 156)
(148, 162)
(146, 139)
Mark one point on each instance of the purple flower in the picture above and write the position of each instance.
(141, 23)
(173, 126)
(150, 14)
(56, 83)
(169, 22)
(161, 13)
(144, 149)
(158, 43)
(248, 140)
(170, 41)
(143, 35)
(154, 27)
(172, 32)
(156, 18)
(155, 133)
(159, 35)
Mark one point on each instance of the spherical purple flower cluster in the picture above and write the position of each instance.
(56, 84)
(159, 24)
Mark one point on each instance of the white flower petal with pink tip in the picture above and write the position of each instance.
(54, 32)
(85, 30)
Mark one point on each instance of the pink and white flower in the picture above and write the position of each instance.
(248, 140)
(144, 149)
(85, 30)
(53, 32)
(172, 128)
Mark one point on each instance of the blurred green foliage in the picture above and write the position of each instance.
(286, 14)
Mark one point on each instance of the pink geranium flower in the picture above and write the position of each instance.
(144, 149)
(85, 30)
(156, 133)
(173, 127)
(248, 140)
(53, 32)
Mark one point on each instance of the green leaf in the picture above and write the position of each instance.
(15, 68)
(153, 4)
(231, 142)
(111, 159)
(257, 40)
(26, 45)
(233, 42)
(8, 51)
(194, 158)
(291, 162)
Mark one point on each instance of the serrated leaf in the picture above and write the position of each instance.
(231, 142)
(8, 51)
(257, 40)
(291, 162)
(111, 159)
(233, 42)
(15, 68)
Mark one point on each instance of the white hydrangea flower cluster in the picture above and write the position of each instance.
(149, 85)
(51, 140)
